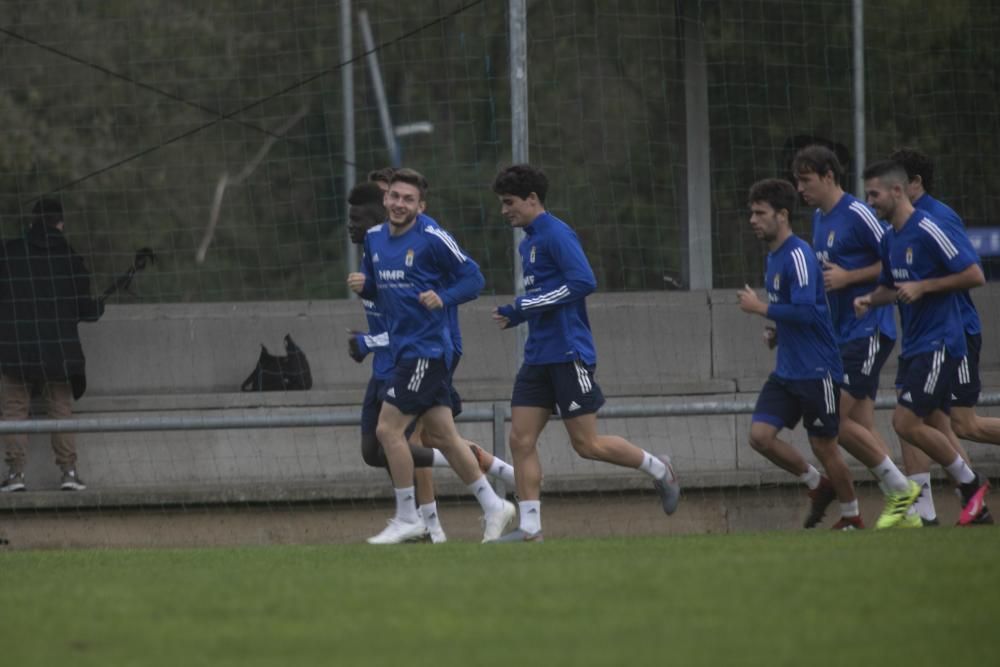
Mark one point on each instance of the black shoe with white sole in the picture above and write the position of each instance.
(72, 482)
(14, 482)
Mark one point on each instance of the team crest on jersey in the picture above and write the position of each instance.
(777, 282)
(829, 239)
(909, 255)
(531, 257)
(409, 257)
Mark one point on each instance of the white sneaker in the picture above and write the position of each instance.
(495, 523)
(437, 534)
(397, 531)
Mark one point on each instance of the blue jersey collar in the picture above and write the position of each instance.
(537, 223)
(923, 201)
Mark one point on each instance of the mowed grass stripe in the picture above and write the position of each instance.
(898, 598)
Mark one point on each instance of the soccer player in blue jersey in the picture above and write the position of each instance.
(366, 211)
(965, 422)
(846, 239)
(923, 270)
(414, 272)
(804, 384)
(559, 356)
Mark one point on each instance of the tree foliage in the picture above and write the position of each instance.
(116, 106)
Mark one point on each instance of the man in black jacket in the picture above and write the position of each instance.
(44, 294)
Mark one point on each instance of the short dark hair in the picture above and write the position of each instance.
(366, 194)
(777, 192)
(47, 211)
(521, 180)
(916, 163)
(818, 160)
(889, 170)
(411, 177)
(383, 175)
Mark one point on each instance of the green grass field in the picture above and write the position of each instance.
(922, 597)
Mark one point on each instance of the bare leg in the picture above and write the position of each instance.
(828, 453)
(391, 433)
(764, 440)
(423, 478)
(439, 432)
(526, 426)
(856, 433)
(608, 448)
(863, 412)
(912, 428)
(942, 422)
(971, 426)
(915, 461)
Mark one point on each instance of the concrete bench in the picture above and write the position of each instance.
(191, 358)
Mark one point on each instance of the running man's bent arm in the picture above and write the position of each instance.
(468, 280)
(579, 279)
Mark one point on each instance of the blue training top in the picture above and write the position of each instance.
(398, 268)
(849, 236)
(953, 226)
(806, 345)
(557, 279)
(456, 331)
(918, 251)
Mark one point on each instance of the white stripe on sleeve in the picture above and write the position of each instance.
(800, 267)
(448, 241)
(545, 299)
(869, 218)
(381, 340)
(947, 247)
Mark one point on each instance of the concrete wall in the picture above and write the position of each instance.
(191, 359)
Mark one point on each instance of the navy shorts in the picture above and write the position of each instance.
(569, 387)
(417, 385)
(863, 359)
(782, 403)
(372, 403)
(924, 381)
(966, 385)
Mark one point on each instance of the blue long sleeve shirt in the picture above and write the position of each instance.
(398, 268)
(557, 278)
(797, 304)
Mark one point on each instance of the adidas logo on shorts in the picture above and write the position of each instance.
(573, 405)
(391, 393)
(906, 397)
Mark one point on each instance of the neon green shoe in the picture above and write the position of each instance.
(911, 521)
(897, 505)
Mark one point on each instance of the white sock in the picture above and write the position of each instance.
(925, 503)
(810, 478)
(439, 460)
(487, 497)
(429, 513)
(652, 466)
(960, 471)
(531, 516)
(889, 475)
(502, 470)
(406, 510)
(849, 509)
